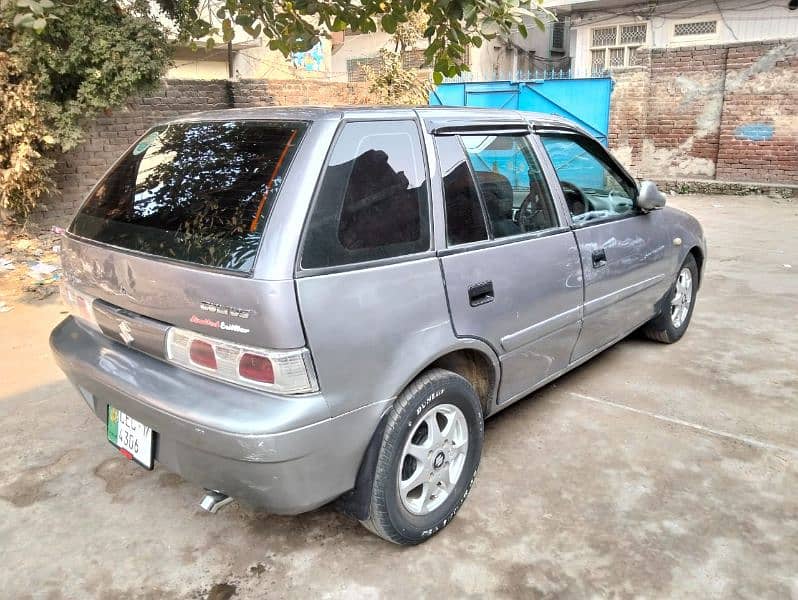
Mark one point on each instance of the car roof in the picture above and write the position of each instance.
(440, 115)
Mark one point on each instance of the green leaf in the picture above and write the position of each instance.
(437, 77)
(210, 43)
(476, 41)
(388, 24)
(39, 25)
(227, 31)
(541, 25)
(339, 24)
(522, 30)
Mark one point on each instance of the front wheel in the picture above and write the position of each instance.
(677, 306)
(428, 458)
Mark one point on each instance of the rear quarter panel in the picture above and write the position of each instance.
(371, 330)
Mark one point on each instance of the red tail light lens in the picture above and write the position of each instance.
(257, 368)
(202, 354)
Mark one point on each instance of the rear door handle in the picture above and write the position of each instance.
(599, 258)
(480, 293)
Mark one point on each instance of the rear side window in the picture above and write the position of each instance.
(465, 221)
(372, 200)
(194, 192)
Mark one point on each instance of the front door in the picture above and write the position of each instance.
(623, 251)
(511, 267)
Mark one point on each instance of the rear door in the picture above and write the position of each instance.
(511, 266)
(172, 233)
(623, 251)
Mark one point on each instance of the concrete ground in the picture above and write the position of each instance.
(652, 471)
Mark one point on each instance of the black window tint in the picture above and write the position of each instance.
(465, 221)
(511, 182)
(593, 187)
(372, 200)
(195, 192)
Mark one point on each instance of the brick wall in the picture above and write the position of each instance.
(261, 92)
(110, 135)
(717, 112)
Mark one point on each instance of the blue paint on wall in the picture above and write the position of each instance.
(754, 132)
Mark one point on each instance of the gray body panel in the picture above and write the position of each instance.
(375, 326)
(171, 292)
(622, 293)
(282, 453)
(533, 321)
(371, 328)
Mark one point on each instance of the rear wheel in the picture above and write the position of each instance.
(428, 458)
(677, 306)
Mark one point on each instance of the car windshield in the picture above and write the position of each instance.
(198, 192)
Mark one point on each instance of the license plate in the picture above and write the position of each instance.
(133, 439)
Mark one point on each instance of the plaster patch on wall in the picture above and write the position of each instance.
(754, 132)
(623, 154)
(692, 91)
(675, 161)
(765, 63)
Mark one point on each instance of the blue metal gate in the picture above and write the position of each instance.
(583, 101)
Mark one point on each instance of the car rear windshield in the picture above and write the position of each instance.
(198, 192)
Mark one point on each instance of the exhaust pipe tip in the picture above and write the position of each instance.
(214, 501)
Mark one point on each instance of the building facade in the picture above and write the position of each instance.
(605, 34)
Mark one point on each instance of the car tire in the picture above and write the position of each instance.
(438, 418)
(676, 308)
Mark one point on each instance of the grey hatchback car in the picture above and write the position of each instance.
(295, 306)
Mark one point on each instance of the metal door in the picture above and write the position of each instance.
(532, 317)
(585, 101)
(519, 291)
(624, 266)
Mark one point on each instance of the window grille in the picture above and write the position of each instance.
(605, 36)
(633, 34)
(696, 28)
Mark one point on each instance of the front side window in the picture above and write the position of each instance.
(511, 184)
(372, 200)
(198, 192)
(594, 189)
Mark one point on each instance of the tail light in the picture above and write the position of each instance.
(79, 304)
(202, 354)
(280, 371)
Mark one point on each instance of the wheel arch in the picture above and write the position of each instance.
(470, 358)
(473, 360)
(698, 255)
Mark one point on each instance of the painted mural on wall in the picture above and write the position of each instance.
(312, 60)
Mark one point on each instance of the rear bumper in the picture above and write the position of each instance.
(284, 454)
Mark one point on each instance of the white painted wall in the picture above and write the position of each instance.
(745, 21)
(362, 45)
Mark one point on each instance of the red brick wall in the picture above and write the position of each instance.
(718, 112)
(759, 129)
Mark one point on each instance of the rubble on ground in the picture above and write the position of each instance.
(30, 267)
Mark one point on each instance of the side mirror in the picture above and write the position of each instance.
(650, 198)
